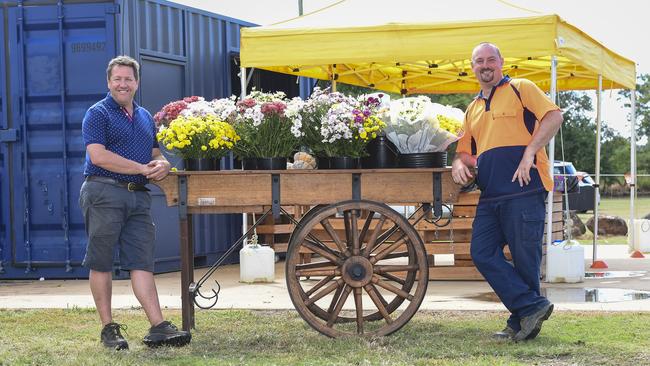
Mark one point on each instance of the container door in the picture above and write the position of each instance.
(5, 138)
(57, 61)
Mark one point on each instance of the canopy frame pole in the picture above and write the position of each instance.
(551, 158)
(599, 106)
(333, 77)
(632, 166)
(243, 82)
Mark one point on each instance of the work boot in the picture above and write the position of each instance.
(112, 337)
(166, 334)
(506, 333)
(531, 325)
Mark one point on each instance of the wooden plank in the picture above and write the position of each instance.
(242, 188)
(229, 190)
(454, 273)
(275, 229)
(464, 211)
(392, 187)
(456, 224)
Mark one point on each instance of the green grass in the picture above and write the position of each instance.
(238, 337)
(615, 207)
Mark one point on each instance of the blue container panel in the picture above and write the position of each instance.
(161, 28)
(48, 227)
(183, 51)
(4, 183)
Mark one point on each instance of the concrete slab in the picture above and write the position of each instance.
(441, 295)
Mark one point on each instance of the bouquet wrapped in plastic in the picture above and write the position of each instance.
(416, 125)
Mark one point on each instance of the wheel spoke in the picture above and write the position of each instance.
(335, 298)
(324, 292)
(390, 277)
(396, 255)
(324, 251)
(318, 272)
(379, 256)
(339, 305)
(373, 236)
(366, 226)
(379, 302)
(335, 237)
(354, 232)
(387, 286)
(318, 285)
(314, 265)
(396, 268)
(359, 305)
(387, 234)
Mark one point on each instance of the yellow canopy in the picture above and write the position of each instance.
(424, 46)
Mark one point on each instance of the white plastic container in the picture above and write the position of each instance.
(641, 236)
(256, 264)
(565, 262)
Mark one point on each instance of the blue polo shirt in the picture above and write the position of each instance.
(132, 137)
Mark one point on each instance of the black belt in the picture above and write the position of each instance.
(130, 186)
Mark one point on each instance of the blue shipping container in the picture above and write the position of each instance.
(57, 54)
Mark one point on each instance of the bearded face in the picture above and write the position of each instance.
(487, 65)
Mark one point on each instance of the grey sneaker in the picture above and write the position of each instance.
(166, 334)
(506, 333)
(112, 337)
(531, 325)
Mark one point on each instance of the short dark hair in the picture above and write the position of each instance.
(123, 61)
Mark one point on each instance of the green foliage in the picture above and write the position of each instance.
(642, 104)
(578, 133)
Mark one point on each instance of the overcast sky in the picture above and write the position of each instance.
(620, 25)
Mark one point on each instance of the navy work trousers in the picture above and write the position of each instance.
(518, 222)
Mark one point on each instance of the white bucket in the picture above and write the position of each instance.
(641, 236)
(565, 262)
(256, 264)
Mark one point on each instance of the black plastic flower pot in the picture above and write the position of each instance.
(423, 160)
(272, 163)
(249, 163)
(202, 164)
(323, 162)
(344, 162)
(382, 153)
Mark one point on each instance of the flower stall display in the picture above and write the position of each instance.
(270, 126)
(416, 125)
(336, 125)
(225, 109)
(198, 137)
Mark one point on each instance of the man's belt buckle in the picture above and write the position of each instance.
(131, 187)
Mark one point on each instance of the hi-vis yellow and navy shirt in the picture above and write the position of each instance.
(497, 130)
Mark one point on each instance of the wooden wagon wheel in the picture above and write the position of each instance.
(375, 255)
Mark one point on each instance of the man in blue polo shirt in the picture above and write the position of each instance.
(122, 155)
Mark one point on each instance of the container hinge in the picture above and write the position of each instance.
(9, 135)
(113, 9)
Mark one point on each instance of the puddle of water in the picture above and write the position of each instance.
(579, 295)
(615, 274)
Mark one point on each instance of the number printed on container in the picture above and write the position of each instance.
(207, 201)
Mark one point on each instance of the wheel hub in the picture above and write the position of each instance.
(357, 271)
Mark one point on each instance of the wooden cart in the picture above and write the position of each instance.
(376, 256)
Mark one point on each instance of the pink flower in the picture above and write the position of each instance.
(191, 99)
(246, 103)
(273, 108)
